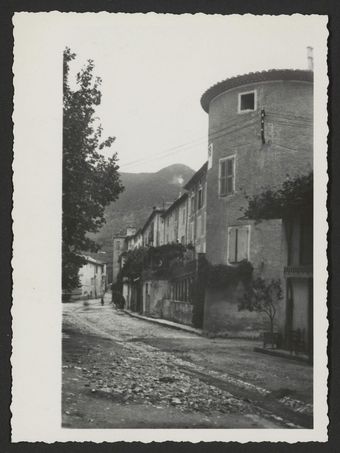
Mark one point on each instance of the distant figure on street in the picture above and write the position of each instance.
(102, 300)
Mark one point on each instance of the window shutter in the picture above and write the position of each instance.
(232, 245)
(230, 176)
(227, 176)
(223, 177)
(242, 243)
(198, 226)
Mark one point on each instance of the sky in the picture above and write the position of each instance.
(155, 68)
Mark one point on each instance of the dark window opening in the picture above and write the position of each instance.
(247, 101)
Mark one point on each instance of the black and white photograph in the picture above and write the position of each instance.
(188, 171)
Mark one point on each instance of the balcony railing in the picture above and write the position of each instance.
(299, 271)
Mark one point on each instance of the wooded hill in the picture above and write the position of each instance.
(142, 192)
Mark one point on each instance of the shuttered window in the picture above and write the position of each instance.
(200, 198)
(198, 226)
(238, 240)
(203, 223)
(227, 176)
(192, 204)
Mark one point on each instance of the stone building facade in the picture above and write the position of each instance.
(260, 134)
(197, 209)
(153, 229)
(119, 246)
(175, 221)
(92, 279)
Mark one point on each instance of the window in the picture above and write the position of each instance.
(118, 246)
(192, 237)
(203, 223)
(183, 218)
(198, 226)
(247, 101)
(238, 243)
(200, 198)
(192, 202)
(227, 176)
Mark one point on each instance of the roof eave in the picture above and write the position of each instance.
(254, 77)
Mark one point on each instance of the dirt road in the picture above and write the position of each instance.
(123, 372)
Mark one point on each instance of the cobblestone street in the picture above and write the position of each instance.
(123, 372)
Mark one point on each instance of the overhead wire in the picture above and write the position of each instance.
(191, 143)
(194, 144)
(228, 128)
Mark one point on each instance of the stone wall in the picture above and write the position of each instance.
(221, 314)
(157, 304)
(177, 311)
(287, 151)
(154, 291)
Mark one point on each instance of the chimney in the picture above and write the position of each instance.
(130, 231)
(310, 59)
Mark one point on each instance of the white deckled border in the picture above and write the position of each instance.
(36, 358)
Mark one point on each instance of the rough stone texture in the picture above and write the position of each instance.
(221, 314)
(123, 372)
(177, 311)
(288, 150)
(154, 291)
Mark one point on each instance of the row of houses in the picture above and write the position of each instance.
(93, 280)
(260, 135)
(182, 221)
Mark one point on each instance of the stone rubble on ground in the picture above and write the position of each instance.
(152, 379)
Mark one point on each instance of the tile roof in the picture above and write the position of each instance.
(253, 77)
(151, 216)
(197, 176)
(175, 203)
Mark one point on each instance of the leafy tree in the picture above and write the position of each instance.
(263, 297)
(90, 181)
(134, 262)
(295, 195)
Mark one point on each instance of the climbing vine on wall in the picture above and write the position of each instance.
(221, 276)
(157, 259)
(295, 195)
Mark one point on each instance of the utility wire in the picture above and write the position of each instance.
(179, 148)
(185, 145)
(229, 128)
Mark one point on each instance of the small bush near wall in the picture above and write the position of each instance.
(263, 297)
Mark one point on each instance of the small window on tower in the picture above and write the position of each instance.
(247, 101)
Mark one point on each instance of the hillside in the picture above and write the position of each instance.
(142, 192)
